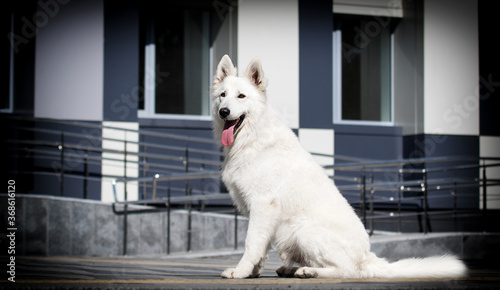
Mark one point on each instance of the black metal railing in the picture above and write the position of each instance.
(68, 150)
(430, 184)
(181, 170)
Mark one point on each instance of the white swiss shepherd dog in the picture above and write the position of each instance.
(291, 202)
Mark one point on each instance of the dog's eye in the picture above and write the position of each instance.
(241, 96)
(223, 94)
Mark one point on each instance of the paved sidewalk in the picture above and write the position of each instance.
(204, 273)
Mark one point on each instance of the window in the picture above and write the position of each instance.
(179, 44)
(362, 66)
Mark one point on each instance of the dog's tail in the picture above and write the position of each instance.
(446, 266)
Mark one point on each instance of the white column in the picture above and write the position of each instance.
(69, 61)
(113, 163)
(270, 30)
(451, 67)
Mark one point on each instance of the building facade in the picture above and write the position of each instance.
(368, 79)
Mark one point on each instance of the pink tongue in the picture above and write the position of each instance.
(228, 133)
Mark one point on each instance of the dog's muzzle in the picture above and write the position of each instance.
(230, 126)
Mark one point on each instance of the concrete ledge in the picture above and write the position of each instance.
(59, 226)
(467, 246)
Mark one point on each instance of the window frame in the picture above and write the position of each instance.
(224, 16)
(149, 111)
(337, 84)
(149, 91)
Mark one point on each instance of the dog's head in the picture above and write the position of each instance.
(236, 100)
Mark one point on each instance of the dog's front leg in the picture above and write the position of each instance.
(261, 227)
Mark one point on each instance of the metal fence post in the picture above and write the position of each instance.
(189, 225)
(186, 169)
(363, 196)
(235, 228)
(485, 203)
(144, 170)
(202, 185)
(372, 192)
(426, 204)
(86, 179)
(484, 188)
(125, 165)
(168, 219)
(61, 173)
(455, 204)
(125, 213)
(400, 189)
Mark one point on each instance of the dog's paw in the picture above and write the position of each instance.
(306, 272)
(228, 273)
(282, 271)
(233, 273)
(286, 271)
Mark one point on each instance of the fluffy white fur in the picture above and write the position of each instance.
(290, 201)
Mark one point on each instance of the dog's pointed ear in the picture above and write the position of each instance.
(255, 74)
(224, 69)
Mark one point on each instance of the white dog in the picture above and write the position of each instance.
(289, 199)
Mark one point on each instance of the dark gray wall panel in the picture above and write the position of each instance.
(121, 61)
(315, 63)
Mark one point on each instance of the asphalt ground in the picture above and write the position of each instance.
(183, 272)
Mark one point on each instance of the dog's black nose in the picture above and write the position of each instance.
(224, 112)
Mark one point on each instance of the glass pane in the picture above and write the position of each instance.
(366, 69)
(182, 60)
